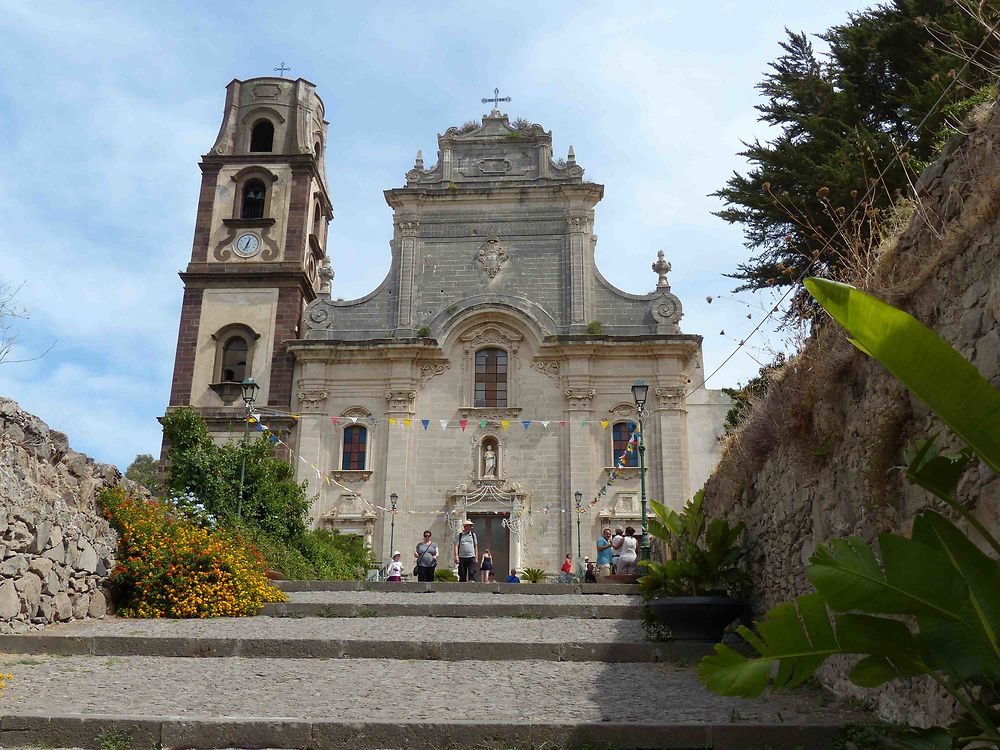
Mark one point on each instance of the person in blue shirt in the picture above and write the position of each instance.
(605, 553)
(512, 578)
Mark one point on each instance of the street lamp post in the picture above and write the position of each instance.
(393, 499)
(579, 505)
(249, 389)
(639, 391)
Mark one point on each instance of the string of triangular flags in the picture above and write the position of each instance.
(444, 424)
(255, 419)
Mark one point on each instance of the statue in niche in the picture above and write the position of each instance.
(489, 462)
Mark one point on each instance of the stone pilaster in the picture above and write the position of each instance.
(580, 304)
(577, 455)
(400, 399)
(667, 452)
(407, 240)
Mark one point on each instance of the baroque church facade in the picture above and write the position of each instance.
(488, 376)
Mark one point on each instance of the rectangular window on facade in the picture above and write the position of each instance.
(491, 378)
(355, 443)
(620, 433)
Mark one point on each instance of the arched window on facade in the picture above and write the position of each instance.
(620, 433)
(355, 448)
(262, 137)
(491, 378)
(234, 360)
(254, 194)
(318, 222)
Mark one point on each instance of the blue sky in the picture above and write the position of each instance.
(105, 110)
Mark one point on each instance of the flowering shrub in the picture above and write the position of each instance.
(189, 506)
(170, 566)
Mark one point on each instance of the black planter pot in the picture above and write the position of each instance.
(697, 618)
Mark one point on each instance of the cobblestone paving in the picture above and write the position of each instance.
(429, 629)
(459, 597)
(382, 690)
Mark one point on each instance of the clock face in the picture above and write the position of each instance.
(246, 245)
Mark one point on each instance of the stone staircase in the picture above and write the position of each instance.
(377, 665)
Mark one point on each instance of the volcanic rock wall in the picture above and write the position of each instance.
(819, 457)
(55, 549)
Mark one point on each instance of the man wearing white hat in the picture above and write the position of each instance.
(466, 552)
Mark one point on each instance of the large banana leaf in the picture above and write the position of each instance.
(799, 637)
(971, 646)
(918, 580)
(923, 361)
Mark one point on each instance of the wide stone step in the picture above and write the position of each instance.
(472, 603)
(415, 587)
(448, 639)
(70, 701)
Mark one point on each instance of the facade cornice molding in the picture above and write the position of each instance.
(414, 197)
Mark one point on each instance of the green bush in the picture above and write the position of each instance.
(595, 328)
(315, 555)
(274, 508)
(445, 574)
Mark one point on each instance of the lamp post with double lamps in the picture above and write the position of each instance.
(639, 391)
(393, 499)
(578, 496)
(249, 389)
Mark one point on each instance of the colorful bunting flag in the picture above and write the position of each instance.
(545, 423)
(444, 424)
(526, 423)
(463, 423)
(604, 424)
(482, 424)
(333, 419)
(393, 420)
(505, 423)
(426, 423)
(406, 422)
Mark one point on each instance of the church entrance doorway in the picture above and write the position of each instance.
(494, 536)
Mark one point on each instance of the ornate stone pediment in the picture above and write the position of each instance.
(492, 414)
(491, 333)
(624, 409)
(351, 476)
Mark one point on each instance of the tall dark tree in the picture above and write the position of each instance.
(842, 118)
(144, 470)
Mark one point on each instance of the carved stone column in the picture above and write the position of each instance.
(580, 262)
(670, 449)
(407, 242)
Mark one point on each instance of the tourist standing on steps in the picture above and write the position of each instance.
(566, 572)
(395, 570)
(466, 552)
(426, 555)
(616, 548)
(605, 553)
(486, 566)
(628, 561)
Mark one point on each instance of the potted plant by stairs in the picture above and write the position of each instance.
(700, 589)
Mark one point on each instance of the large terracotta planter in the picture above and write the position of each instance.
(697, 618)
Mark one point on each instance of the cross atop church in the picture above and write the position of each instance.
(281, 69)
(496, 99)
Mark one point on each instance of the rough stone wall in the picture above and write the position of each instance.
(55, 549)
(816, 460)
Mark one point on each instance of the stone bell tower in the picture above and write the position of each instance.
(260, 236)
